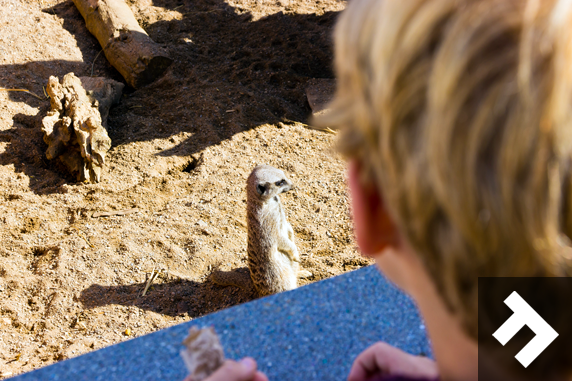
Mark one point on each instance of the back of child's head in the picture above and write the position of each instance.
(460, 112)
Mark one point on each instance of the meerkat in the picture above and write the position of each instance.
(273, 259)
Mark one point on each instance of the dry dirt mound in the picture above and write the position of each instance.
(182, 148)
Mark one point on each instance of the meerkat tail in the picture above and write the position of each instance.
(237, 278)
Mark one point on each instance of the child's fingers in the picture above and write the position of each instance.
(243, 370)
(260, 377)
(382, 358)
(369, 362)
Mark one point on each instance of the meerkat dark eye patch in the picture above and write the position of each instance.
(280, 183)
(261, 189)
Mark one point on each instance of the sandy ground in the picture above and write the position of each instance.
(182, 150)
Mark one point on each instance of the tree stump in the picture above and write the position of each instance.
(125, 44)
(73, 128)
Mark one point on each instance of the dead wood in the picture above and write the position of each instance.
(125, 44)
(73, 128)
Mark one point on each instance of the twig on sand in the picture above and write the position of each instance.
(25, 91)
(325, 129)
(93, 63)
(16, 358)
(211, 11)
(153, 276)
(83, 236)
(115, 213)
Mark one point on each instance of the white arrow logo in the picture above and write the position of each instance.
(523, 315)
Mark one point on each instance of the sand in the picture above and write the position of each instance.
(74, 257)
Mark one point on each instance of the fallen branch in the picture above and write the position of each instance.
(125, 44)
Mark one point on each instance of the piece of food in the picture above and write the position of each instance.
(203, 354)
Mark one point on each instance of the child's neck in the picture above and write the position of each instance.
(456, 354)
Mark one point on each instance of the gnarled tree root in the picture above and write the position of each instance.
(73, 128)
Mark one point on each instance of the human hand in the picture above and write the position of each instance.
(243, 370)
(382, 359)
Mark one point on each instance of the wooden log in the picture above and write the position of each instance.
(125, 44)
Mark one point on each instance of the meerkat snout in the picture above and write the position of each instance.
(285, 185)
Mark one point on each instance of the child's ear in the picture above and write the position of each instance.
(374, 227)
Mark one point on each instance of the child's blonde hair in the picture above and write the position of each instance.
(460, 111)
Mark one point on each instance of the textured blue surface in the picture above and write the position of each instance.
(312, 333)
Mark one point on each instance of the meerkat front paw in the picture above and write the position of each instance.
(292, 255)
(290, 233)
(304, 274)
(295, 255)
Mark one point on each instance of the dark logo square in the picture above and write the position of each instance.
(525, 328)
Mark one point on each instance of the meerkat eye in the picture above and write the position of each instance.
(280, 183)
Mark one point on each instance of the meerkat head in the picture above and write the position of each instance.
(266, 182)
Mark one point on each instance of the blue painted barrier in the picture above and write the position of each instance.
(311, 333)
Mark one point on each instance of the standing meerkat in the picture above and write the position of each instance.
(273, 259)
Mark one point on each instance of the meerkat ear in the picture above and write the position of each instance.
(261, 189)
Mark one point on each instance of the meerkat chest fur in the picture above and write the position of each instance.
(267, 224)
(272, 255)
